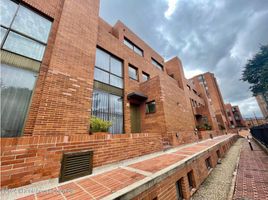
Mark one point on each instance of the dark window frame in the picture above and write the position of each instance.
(208, 163)
(157, 64)
(145, 74)
(136, 70)
(179, 190)
(148, 111)
(190, 178)
(109, 72)
(134, 46)
(9, 29)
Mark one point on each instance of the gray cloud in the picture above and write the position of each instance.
(208, 35)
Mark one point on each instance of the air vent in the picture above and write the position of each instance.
(75, 164)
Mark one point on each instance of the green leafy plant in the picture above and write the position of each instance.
(99, 125)
(208, 127)
(201, 127)
(204, 127)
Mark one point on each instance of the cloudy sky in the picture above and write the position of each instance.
(207, 35)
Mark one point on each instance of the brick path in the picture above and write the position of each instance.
(109, 182)
(252, 174)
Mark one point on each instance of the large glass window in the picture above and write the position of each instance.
(24, 46)
(108, 69)
(108, 107)
(8, 9)
(24, 35)
(27, 31)
(16, 89)
(108, 94)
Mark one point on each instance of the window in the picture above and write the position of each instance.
(150, 107)
(23, 31)
(133, 47)
(145, 77)
(189, 88)
(179, 190)
(108, 107)
(157, 64)
(107, 101)
(218, 153)
(24, 35)
(133, 72)
(208, 163)
(190, 178)
(108, 69)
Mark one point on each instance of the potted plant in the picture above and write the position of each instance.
(98, 125)
(200, 128)
(208, 127)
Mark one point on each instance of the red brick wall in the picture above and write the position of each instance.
(30, 159)
(61, 103)
(166, 189)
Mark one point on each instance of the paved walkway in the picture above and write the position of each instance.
(222, 175)
(113, 182)
(252, 174)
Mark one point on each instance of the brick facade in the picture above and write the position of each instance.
(60, 109)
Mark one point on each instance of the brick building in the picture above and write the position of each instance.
(234, 116)
(61, 64)
(212, 92)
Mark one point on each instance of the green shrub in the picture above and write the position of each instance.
(208, 127)
(99, 125)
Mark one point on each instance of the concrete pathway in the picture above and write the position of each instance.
(217, 185)
(113, 182)
(252, 174)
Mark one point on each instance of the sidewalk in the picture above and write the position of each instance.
(252, 174)
(222, 176)
(125, 178)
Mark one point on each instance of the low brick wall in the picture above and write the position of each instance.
(166, 189)
(26, 160)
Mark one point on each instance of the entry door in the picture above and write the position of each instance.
(135, 116)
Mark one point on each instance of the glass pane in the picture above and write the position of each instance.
(145, 77)
(32, 24)
(100, 104)
(101, 76)
(8, 9)
(128, 44)
(102, 59)
(116, 81)
(158, 65)
(116, 113)
(132, 73)
(138, 51)
(24, 46)
(3, 33)
(16, 89)
(116, 67)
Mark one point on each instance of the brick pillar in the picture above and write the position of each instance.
(65, 102)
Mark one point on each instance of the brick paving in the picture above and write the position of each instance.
(252, 174)
(104, 184)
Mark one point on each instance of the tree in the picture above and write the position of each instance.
(256, 72)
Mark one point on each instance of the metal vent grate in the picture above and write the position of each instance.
(75, 164)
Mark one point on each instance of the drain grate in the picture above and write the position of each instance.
(75, 164)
